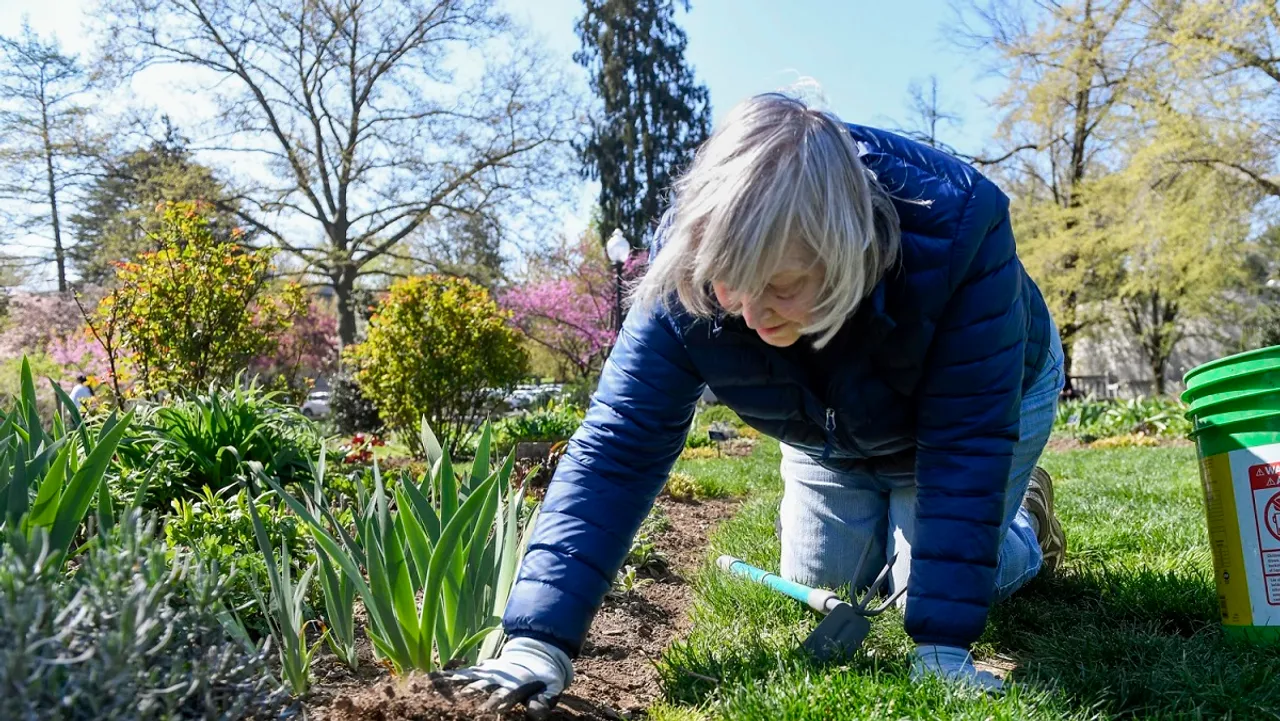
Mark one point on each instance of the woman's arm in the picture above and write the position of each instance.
(606, 482)
(967, 424)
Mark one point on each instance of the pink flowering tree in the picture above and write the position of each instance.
(51, 325)
(304, 352)
(34, 320)
(568, 308)
(80, 354)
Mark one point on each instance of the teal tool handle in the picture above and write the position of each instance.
(818, 599)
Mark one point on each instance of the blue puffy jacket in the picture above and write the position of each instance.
(930, 370)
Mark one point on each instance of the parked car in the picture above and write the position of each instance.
(316, 405)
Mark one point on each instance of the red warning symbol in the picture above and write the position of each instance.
(1272, 514)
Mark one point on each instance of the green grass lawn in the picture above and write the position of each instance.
(1128, 630)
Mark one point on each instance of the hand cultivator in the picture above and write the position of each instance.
(845, 626)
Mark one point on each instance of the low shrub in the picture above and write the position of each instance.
(1089, 420)
(352, 412)
(1128, 440)
(437, 346)
(682, 487)
(127, 637)
(698, 438)
(699, 454)
(553, 422)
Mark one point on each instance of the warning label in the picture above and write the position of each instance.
(1264, 480)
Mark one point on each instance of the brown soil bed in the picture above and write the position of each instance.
(615, 675)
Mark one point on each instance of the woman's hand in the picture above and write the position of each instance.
(952, 664)
(527, 671)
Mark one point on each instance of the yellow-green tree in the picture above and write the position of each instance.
(1184, 237)
(436, 347)
(198, 309)
(1063, 114)
(1220, 99)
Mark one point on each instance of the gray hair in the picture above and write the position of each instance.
(775, 172)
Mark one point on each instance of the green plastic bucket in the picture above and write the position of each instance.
(1235, 408)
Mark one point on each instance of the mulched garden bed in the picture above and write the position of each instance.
(615, 675)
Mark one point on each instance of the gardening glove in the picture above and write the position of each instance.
(527, 671)
(952, 664)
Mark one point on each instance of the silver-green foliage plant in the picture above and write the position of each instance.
(434, 571)
(132, 635)
(49, 480)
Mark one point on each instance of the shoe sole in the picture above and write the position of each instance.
(1054, 545)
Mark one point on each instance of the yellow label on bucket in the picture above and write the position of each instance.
(1242, 506)
(1224, 541)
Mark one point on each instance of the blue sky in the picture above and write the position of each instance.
(862, 54)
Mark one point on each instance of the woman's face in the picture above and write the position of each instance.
(786, 305)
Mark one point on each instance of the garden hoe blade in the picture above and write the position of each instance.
(839, 635)
(845, 626)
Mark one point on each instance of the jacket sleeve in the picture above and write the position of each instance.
(605, 484)
(967, 423)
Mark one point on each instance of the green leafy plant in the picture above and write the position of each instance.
(552, 422)
(682, 486)
(284, 608)
(45, 485)
(196, 435)
(435, 573)
(218, 526)
(351, 411)
(1090, 420)
(339, 591)
(131, 635)
(698, 439)
(199, 308)
(628, 581)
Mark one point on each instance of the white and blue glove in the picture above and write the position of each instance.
(527, 671)
(952, 664)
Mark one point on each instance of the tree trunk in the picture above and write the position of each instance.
(59, 255)
(344, 292)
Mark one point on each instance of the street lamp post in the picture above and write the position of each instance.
(618, 250)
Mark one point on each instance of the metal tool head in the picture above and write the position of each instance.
(839, 635)
(863, 605)
(846, 625)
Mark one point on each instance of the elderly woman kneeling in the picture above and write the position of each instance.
(857, 296)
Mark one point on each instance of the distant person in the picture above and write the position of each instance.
(857, 296)
(81, 393)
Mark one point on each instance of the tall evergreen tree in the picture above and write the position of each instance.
(654, 113)
(123, 206)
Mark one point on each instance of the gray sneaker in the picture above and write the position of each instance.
(1039, 503)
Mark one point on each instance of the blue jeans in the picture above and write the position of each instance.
(828, 517)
